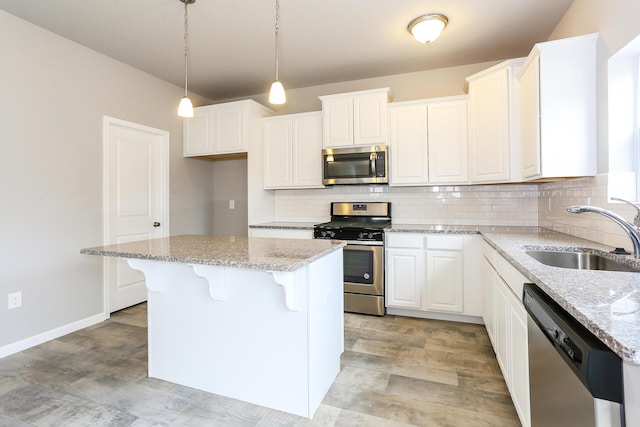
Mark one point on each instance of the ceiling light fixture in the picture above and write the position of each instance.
(185, 108)
(276, 94)
(427, 28)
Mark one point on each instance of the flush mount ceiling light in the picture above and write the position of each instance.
(427, 28)
(185, 108)
(276, 94)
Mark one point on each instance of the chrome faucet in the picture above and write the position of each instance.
(629, 228)
(636, 219)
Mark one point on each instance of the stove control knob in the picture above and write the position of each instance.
(361, 235)
(332, 234)
(371, 235)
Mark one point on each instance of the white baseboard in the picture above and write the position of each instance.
(35, 340)
(435, 315)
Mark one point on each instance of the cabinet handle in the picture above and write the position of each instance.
(156, 224)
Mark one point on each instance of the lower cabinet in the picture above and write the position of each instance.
(432, 274)
(281, 233)
(506, 321)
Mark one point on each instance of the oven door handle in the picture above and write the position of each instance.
(363, 242)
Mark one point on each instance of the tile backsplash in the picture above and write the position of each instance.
(555, 197)
(451, 205)
(541, 205)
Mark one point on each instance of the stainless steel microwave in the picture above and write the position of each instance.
(355, 165)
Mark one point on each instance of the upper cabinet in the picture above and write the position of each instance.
(494, 155)
(221, 129)
(293, 151)
(355, 118)
(557, 91)
(428, 141)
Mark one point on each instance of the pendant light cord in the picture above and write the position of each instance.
(277, 31)
(186, 45)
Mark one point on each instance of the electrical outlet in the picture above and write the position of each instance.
(232, 204)
(15, 300)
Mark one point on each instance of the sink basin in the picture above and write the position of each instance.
(578, 260)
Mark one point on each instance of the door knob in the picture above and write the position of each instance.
(156, 224)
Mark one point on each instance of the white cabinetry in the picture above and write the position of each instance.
(557, 91)
(494, 155)
(506, 322)
(355, 118)
(428, 141)
(292, 151)
(405, 270)
(281, 233)
(220, 129)
(444, 274)
(433, 275)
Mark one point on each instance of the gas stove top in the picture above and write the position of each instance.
(356, 221)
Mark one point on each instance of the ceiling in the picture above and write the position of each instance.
(321, 41)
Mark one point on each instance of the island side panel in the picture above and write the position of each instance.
(326, 324)
(249, 347)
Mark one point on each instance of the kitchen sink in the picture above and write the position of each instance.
(578, 260)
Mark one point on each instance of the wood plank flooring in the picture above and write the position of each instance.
(396, 371)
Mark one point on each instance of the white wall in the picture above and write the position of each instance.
(404, 87)
(54, 94)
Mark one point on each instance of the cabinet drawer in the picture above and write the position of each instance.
(446, 242)
(511, 276)
(405, 240)
(489, 252)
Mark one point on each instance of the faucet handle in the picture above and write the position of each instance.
(636, 220)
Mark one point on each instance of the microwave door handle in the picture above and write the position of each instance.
(372, 159)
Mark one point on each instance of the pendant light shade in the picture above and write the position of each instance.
(276, 94)
(185, 108)
(427, 28)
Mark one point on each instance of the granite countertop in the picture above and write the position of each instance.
(287, 225)
(606, 302)
(254, 253)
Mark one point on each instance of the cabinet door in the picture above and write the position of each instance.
(404, 278)
(408, 140)
(444, 280)
(229, 132)
(307, 151)
(370, 119)
(277, 153)
(488, 282)
(448, 142)
(530, 119)
(337, 119)
(518, 339)
(198, 134)
(489, 128)
(501, 314)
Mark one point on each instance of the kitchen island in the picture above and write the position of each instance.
(255, 319)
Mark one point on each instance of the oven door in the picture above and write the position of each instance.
(364, 267)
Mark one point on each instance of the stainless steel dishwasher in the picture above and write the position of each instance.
(574, 379)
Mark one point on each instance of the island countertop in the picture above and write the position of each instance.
(255, 253)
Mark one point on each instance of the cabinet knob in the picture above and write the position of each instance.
(156, 224)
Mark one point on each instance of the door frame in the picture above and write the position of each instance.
(164, 190)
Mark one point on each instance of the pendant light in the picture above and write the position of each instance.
(276, 94)
(185, 108)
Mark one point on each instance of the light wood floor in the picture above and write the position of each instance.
(396, 371)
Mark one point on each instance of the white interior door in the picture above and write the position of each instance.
(136, 192)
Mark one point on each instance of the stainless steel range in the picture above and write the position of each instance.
(362, 226)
